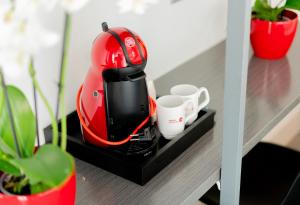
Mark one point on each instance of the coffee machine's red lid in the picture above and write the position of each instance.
(118, 48)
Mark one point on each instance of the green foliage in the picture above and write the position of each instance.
(6, 156)
(45, 169)
(7, 149)
(24, 121)
(7, 166)
(293, 4)
(1, 99)
(262, 10)
(49, 167)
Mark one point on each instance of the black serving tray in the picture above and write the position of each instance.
(138, 171)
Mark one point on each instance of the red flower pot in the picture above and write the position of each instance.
(61, 195)
(272, 40)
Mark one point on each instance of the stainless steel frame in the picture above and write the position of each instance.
(237, 48)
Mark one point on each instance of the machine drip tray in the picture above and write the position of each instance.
(139, 171)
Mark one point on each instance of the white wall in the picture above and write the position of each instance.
(173, 34)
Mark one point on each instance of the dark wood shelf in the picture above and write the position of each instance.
(273, 91)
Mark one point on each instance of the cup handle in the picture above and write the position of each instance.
(188, 117)
(206, 100)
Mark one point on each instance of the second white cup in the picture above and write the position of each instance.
(191, 92)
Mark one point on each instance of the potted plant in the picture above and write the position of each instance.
(45, 175)
(32, 174)
(273, 27)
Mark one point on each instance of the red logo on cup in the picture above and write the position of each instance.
(180, 119)
(129, 42)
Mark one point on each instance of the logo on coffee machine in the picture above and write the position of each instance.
(129, 42)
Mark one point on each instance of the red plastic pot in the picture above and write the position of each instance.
(272, 40)
(61, 195)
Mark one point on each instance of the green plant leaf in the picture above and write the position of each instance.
(1, 99)
(7, 149)
(8, 167)
(24, 120)
(49, 167)
(293, 4)
(38, 188)
(263, 11)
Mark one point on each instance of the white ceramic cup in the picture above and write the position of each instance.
(171, 115)
(191, 92)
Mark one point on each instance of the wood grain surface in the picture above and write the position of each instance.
(273, 91)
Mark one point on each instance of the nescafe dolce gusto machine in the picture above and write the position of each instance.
(113, 104)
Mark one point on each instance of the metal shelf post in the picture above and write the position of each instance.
(237, 48)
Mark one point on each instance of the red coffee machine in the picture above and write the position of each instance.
(113, 103)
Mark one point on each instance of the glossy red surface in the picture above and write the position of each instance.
(272, 40)
(61, 195)
(106, 54)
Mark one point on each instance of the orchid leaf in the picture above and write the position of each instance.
(38, 188)
(293, 4)
(1, 99)
(7, 149)
(24, 121)
(48, 168)
(7, 166)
